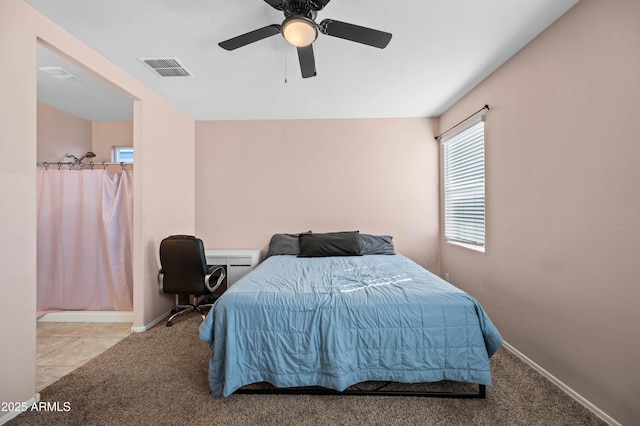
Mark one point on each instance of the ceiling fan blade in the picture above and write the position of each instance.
(307, 61)
(250, 37)
(318, 4)
(356, 33)
(276, 4)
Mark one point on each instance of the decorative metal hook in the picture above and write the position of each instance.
(45, 165)
(104, 165)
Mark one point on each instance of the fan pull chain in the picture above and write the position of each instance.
(285, 66)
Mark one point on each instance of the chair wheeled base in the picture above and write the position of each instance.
(180, 309)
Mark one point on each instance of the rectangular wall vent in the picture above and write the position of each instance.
(60, 73)
(167, 67)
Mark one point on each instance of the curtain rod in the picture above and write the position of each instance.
(80, 166)
(456, 125)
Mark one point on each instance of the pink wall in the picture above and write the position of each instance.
(257, 178)
(164, 198)
(157, 127)
(560, 276)
(18, 134)
(60, 132)
(107, 134)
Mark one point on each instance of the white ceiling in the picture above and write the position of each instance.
(88, 98)
(439, 51)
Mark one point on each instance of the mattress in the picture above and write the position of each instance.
(337, 321)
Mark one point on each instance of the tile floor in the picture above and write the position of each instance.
(61, 347)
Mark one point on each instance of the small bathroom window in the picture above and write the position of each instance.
(122, 154)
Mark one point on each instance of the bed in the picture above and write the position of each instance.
(335, 321)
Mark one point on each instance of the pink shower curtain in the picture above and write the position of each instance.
(84, 240)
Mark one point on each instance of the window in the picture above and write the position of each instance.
(464, 202)
(120, 154)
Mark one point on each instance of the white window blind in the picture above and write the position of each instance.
(464, 201)
(122, 154)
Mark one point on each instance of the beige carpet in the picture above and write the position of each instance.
(160, 378)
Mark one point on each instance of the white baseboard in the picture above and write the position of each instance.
(88, 316)
(99, 316)
(573, 394)
(13, 414)
(151, 324)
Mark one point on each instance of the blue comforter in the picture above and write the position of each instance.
(337, 321)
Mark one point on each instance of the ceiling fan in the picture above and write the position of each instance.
(300, 29)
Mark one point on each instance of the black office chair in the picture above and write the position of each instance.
(185, 272)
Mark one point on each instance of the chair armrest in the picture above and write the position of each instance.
(161, 280)
(210, 274)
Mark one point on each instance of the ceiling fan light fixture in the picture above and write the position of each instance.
(299, 31)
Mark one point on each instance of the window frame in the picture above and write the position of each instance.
(468, 191)
(116, 153)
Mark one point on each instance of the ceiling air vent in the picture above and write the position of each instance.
(60, 73)
(167, 67)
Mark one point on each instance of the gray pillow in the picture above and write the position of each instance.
(284, 244)
(329, 244)
(376, 244)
